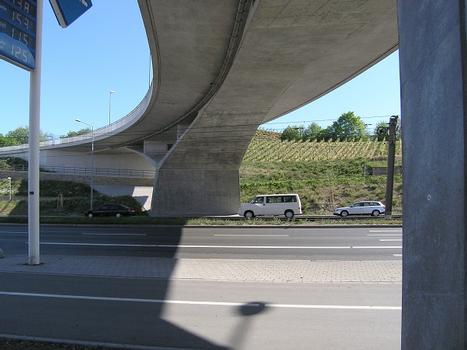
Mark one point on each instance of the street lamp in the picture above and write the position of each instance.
(92, 161)
(9, 187)
(110, 102)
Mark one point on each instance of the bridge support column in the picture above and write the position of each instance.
(195, 192)
(434, 125)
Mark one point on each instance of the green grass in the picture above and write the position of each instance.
(322, 185)
(144, 220)
(268, 149)
(76, 198)
(324, 174)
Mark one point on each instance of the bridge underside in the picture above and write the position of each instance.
(290, 52)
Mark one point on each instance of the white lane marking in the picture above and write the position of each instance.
(391, 240)
(192, 246)
(378, 247)
(385, 235)
(112, 234)
(203, 303)
(397, 255)
(229, 235)
(213, 246)
(387, 230)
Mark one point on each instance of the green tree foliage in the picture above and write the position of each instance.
(348, 127)
(5, 141)
(292, 133)
(20, 136)
(381, 131)
(312, 132)
(76, 133)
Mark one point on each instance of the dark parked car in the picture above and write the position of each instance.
(111, 210)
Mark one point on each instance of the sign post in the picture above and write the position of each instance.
(21, 44)
(34, 134)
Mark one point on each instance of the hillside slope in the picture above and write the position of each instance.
(324, 174)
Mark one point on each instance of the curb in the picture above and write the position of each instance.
(298, 226)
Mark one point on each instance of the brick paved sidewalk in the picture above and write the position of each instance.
(291, 271)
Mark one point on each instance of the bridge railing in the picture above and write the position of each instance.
(77, 171)
(107, 130)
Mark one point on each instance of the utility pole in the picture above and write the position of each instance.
(9, 188)
(93, 165)
(110, 103)
(391, 161)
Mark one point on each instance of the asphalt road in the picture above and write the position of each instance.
(152, 313)
(200, 315)
(225, 243)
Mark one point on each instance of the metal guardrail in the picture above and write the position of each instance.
(304, 217)
(109, 172)
(99, 133)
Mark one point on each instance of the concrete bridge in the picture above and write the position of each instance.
(223, 67)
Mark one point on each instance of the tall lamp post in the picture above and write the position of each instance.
(110, 102)
(9, 187)
(92, 161)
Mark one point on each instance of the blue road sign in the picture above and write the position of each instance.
(68, 11)
(18, 32)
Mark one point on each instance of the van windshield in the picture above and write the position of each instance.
(257, 200)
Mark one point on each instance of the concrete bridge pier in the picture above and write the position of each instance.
(433, 62)
(200, 174)
(186, 192)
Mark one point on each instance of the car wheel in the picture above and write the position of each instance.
(344, 213)
(118, 215)
(289, 214)
(90, 215)
(375, 213)
(249, 214)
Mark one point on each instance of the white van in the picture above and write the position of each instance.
(288, 205)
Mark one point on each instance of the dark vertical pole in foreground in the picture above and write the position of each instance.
(390, 168)
(432, 51)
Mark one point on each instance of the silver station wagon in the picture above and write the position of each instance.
(361, 208)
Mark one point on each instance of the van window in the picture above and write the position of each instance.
(259, 200)
(289, 199)
(275, 199)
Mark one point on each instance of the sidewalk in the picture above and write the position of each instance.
(232, 270)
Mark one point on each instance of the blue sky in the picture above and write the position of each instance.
(106, 49)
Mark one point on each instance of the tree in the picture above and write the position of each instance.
(20, 136)
(381, 131)
(292, 133)
(5, 141)
(312, 132)
(76, 133)
(348, 127)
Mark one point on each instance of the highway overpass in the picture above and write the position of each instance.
(222, 68)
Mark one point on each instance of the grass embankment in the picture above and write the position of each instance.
(76, 198)
(144, 220)
(324, 174)
(6, 344)
(321, 184)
